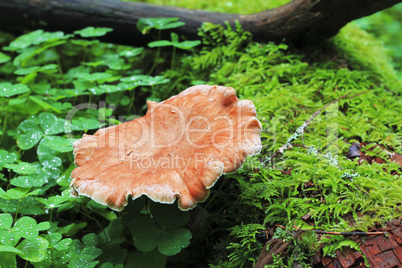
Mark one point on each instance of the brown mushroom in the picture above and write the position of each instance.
(178, 149)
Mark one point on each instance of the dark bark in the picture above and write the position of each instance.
(274, 247)
(301, 21)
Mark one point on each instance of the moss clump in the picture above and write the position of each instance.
(364, 52)
(235, 6)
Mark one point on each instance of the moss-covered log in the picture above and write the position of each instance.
(302, 21)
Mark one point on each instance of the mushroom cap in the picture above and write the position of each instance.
(179, 149)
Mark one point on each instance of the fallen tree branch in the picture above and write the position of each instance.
(340, 233)
(301, 21)
(273, 247)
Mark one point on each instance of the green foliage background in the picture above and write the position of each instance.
(44, 75)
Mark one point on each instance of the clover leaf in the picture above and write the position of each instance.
(4, 58)
(6, 220)
(82, 255)
(50, 68)
(143, 80)
(26, 227)
(30, 135)
(26, 206)
(9, 90)
(56, 242)
(145, 233)
(9, 249)
(50, 124)
(63, 244)
(13, 193)
(175, 43)
(58, 144)
(93, 32)
(47, 155)
(35, 38)
(93, 77)
(168, 216)
(33, 249)
(82, 123)
(144, 25)
(24, 168)
(173, 241)
(164, 231)
(131, 53)
(29, 181)
(153, 259)
(7, 157)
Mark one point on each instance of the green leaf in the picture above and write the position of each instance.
(26, 206)
(32, 134)
(50, 68)
(144, 80)
(8, 238)
(90, 240)
(7, 157)
(168, 216)
(27, 181)
(131, 53)
(63, 244)
(175, 42)
(42, 226)
(14, 193)
(44, 104)
(4, 58)
(8, 260)
(9, 249)
(58, 144)
(26, 227)
(82, 123)
(113, 253)
(173, 241)
(6, 220)
(93, 32)
(33, 249)
(35, 38)
(111, 88)
(98, 77)
(24, 168)
(84, 43)
(47, 156)
(53, 238)
(187, 44)
(25, 71)
(53, 201)
(144, 25)
(113, 62)
(50, 124)
(91, 253)
(152, 259)
(160, 43)
(145, 233)
(8, 90)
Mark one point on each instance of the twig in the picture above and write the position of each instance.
(328, 104)
(360, 93)
(299, 132)
(340, 233)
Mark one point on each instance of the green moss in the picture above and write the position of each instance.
(234, 6)
(365, 52)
